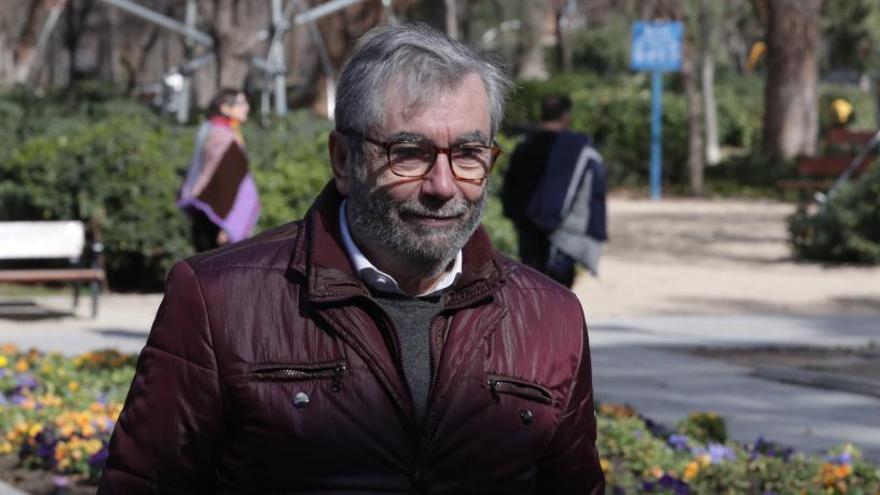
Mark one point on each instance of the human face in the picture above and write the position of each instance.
(238, 110)
(426, 220)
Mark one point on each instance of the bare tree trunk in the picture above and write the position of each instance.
(532, 64)
(452, 19)
(25, 47)
(791, 118)
(231, 64)
(707, 65)
(695, 127)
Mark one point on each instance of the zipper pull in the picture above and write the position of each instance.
(493, 386)
(337, 377)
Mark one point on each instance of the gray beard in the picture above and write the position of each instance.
(380, 221)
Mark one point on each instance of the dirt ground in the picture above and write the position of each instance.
(716, 257)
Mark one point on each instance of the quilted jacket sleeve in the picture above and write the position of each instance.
(571, 463)
(165, 438)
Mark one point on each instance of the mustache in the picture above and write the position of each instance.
(446, 210)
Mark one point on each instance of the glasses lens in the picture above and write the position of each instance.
(471, 161)
(410, 159)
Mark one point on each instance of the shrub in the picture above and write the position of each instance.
(846, 228)
(616, 112)
(114, 164)
(119, 173)
(704, 427)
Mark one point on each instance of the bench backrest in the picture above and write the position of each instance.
(845, 136)
(42, 240)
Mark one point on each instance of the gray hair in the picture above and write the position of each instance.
(422, 62)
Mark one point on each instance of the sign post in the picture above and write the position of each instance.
(656, 47)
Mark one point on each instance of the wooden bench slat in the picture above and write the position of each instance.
(805, 184)
(845, 136)
(829, 165)
(42, 240)
(53, 275)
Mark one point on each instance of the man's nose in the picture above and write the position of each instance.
(440, 182)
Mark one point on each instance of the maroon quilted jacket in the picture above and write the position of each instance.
(270, 369)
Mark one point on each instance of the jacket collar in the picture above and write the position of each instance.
(320, 256)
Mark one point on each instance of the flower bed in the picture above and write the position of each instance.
(640, 456)
(57, 414)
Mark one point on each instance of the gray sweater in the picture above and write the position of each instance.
(412, 319)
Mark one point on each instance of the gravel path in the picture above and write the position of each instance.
(725, 257)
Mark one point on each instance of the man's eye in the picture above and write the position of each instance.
(408, 152)
(470, 151)
(471, 154)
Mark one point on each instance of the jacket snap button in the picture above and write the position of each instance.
(527, 416)
(300, 400)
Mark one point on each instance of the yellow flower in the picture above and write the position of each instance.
(67, 430)
(3, 361)
(704, 460)
(87, 430)
(6, 448)
(34, 429)
(60, 451)
(22, 366)
(93, 446)
(605, 465)
(73, 386)
(690, 471)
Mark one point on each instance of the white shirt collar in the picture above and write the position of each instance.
(380, 280)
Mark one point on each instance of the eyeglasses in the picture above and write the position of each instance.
(414, 159)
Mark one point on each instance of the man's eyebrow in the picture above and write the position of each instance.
(471, 137)
(418, 138)
(406, 137)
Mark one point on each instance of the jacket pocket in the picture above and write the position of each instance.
(505, 385)
(271, 372)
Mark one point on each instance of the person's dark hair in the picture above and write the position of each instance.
(226, 96)
(554, 106)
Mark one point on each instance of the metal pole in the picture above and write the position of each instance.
(164, 21)
(656, 134)
(276, 58)
(322, 10)
(186, 90)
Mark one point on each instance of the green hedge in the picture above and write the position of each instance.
(846, 229)
(616, 112)
(113, 162)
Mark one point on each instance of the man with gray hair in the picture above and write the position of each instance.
(380, 345)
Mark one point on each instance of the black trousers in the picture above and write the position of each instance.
(536, 251)
(204, 232)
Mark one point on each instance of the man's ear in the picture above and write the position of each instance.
(337, 145)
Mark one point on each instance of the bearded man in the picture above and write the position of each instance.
(380, 345)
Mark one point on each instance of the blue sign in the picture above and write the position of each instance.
(656, 46)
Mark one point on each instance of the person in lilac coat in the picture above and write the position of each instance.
(219, 193)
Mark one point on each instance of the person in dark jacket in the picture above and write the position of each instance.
(554, 192)
(379, 345)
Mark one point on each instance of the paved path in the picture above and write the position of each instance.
(639, 361)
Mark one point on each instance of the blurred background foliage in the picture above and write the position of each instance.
(87, 149)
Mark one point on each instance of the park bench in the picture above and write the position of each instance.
(817, 173)
(24, 245)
